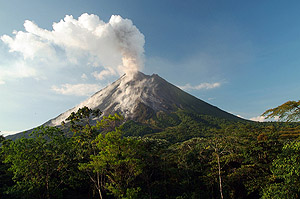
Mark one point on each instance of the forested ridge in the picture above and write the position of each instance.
(181, 155)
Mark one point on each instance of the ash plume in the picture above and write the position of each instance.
(117, 46)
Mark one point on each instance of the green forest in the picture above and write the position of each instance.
(181, 155)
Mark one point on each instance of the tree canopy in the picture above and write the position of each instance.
(289, 111)
(192, 156)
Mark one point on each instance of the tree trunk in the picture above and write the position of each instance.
(99, 185)
(220, 179)
(47, 186)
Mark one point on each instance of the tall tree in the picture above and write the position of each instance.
(117, 160)
(39, 164)
(221, 148)
(83, 135)
(86, 130)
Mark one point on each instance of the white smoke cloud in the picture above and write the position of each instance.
(202, 86)
(117, 46)
(76, 89)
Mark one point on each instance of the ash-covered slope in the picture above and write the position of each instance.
(142, 95)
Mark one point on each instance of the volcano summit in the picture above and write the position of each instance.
(152, 102)
(139, 95)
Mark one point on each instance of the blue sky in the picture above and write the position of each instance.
(242, 57)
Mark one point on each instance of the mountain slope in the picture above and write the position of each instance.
(153, 104)
(142, 95)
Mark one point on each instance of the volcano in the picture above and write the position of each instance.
(138, 97)
(152, 105)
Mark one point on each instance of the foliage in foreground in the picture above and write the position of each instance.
(235, 160)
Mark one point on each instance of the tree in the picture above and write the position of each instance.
(221, 148)
(85, 132)
(40, 164)
(286, 174)
(286, 168)
(289, 111)
(83, 135)
(5, 176)
(209, 166)
(191, 159)
(117, 160)
(152, 154)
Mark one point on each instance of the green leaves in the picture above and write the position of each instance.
(117, 160)
(286, 171)
(109, 159)
(39, 163)
(230, 160)
(289, 111)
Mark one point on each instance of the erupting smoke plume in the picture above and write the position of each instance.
(117, 46)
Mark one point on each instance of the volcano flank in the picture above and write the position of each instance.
(141, 95)
(151, 102)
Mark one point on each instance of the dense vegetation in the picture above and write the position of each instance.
(179, 155)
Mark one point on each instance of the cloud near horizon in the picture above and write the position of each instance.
(115, 47)
(258, 119)
(202, 86)
(263, 119)
(76, 89)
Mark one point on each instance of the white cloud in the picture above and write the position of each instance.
(258, 119)
(202, 86)
(29, 45)
(263, 119)
(76, 89)
(117, 46)
(18, 69)
(84, 76)
(101, 75)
